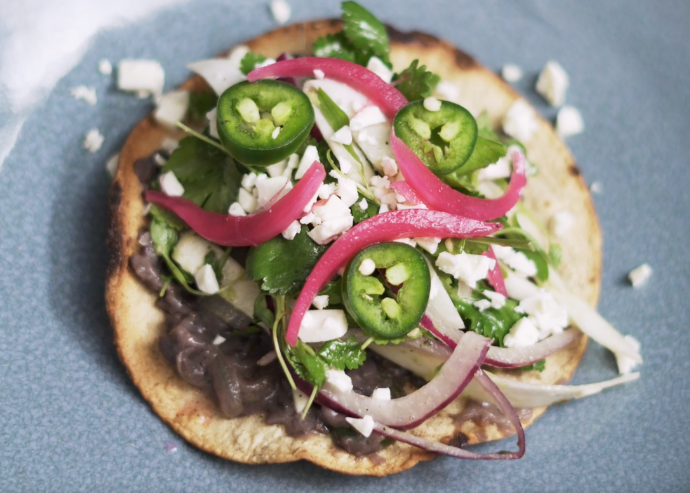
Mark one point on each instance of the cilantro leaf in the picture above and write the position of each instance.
(492, 323)
(485, 152)
(168, 217)
(334, 291)
(209, 176)
(282, 265)
(307, 364)
(334, 46)
(163, 235)
(416, 82)
(336, 117)
(261, 311)
(364, 31)
(249, 61)
(360, 215)
(342, 354)
(201, 103)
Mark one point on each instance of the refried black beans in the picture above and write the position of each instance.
(230, 370)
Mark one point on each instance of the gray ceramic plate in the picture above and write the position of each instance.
(72, 421)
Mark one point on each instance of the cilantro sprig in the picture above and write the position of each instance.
(249, 61)
(416, 82)
(282, 266)
(362, 37)
(209, 176)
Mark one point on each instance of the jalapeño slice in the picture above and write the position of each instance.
(443, 139)
(370, 299)
(249, 114)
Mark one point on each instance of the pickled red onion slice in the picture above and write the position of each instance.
(250, 230)
(439, 196)
(382, 94)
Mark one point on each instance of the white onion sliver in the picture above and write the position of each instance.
(441, 310)
(529, 395)
(421, 356)
(413, 409)
(588, 320)
(440, 448)
(522, 356)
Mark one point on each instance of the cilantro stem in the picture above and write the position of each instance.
(199, 136)
(314, 391)
(165, 287)
(280, 314)
(367, 343)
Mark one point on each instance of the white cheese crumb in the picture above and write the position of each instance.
(218, 340)
(248, 181)
(140, 76)
(347, 191)
(569, 122)
(277, 169)
(93, 140)
(105, 67)
(367, 267)
(319, 74)
(338, 380)
(464, 291)
(291, 231)
(237, 210)
(429, 244)
(447, 90)
(320, 302)
(206, 280)
(511, 72)
(191, 250)
(625, 363)
(84, 93)
(300, 400)
(498, 301)
(364, 425)
(406, 241)
(171, 108)
(467, 267)
(159, 160)
(275, 133)
(342, 136)
(553, 83)
(363, 204)
(383, 208)
(561, 222)
(522, 333)
(639, 276)
(170, 185)
(281, 11)
(545, 313)
(237, 54)
(517, 261)
(322, 325)
(247, 200)
(310, 155)
(111, 165)
(596, 187)
(432, 104)
(169, 144)
(389, 167)
(268, 188)
(482, 304)
(383, 393)
(328, 230)
(520, 121)
(309, 218)
(377, 66)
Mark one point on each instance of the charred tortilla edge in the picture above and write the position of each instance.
(192, 414)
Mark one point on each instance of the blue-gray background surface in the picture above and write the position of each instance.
(70, 420)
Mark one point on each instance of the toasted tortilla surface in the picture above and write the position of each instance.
(193, 414)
